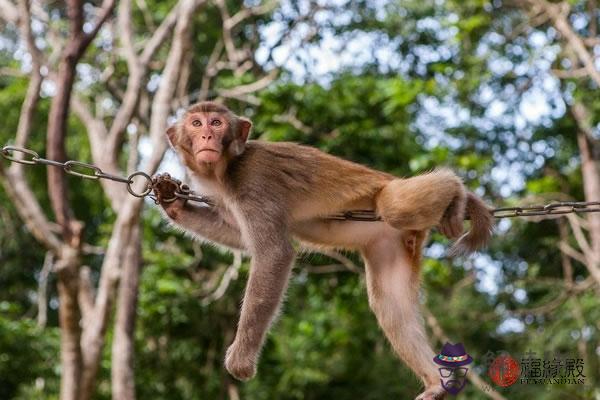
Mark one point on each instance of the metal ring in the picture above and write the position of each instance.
(170, 200)
(70, 164)
(6, 151)
(148, 184)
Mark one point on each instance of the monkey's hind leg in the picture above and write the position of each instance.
(424, 201)
(392, 285)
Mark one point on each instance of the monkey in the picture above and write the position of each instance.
(267, 194)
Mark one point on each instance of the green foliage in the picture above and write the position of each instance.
(28, 354)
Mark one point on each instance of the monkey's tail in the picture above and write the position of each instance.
(479, 235)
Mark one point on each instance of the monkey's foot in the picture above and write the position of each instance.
(433, 393)
(239, 364)
(451, 224)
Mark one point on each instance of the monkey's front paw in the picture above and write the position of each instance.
(433, 393)
(164, 187)
(239, 363)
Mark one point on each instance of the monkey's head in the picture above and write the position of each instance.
(209, 133)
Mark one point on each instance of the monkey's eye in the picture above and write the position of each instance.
(196, 122)
(216, 122)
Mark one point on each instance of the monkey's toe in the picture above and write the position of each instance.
(240, 366)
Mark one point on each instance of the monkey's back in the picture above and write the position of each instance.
(302, 176)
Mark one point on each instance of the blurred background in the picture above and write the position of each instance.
(101, 298)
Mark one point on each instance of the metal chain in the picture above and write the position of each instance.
(89, 171)
(183, 191)
(557, 208)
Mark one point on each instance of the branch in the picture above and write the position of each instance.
(161, 105)
(15, 183)
(105, 12)
(126, 34)
(558, 13)
(122, 371)
(545, 308)
(246, 13)
(33, 90)
(248, 98)
(9, 12)
(96, 131)
(233, 54)
(570, 74)
(146, 14)
(29, 210)
(42, 294)
(580, 238)
(325, 269)
(291, 118)
(592, 9)
(86, 294)
(342, 259)
(571, 252)
(230, 274)
(210, 71)
(59, 110)
(137, 71)
(253, 87)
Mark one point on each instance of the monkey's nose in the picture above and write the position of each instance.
(206, 137)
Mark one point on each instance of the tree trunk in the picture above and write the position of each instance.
(591, 182)
(69, 317)
(123, 379)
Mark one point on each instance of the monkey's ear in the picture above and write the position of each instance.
(245, 127)
(172, 135)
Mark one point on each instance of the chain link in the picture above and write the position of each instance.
(182, 191)
(558, 208)
(90, 171)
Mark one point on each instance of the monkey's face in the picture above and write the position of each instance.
(206, 135)
(209, 133)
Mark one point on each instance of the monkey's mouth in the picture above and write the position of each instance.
(211, 150)
(208, 155)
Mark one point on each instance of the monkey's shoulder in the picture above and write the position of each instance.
(281, 164)
(310, 157)
(274, 155)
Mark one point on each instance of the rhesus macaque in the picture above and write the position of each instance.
(266, 194)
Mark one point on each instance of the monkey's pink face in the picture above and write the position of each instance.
(206, 133)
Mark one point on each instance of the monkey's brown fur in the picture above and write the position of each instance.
(267, 193)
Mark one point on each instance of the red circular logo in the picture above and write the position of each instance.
(504, 370)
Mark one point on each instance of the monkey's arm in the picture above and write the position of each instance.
(272, 256)
(206, 222)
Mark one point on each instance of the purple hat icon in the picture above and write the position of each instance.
(453, 355)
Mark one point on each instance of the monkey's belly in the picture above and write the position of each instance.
(308, 209)
(351, 235)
